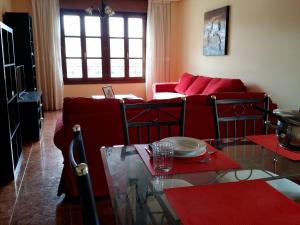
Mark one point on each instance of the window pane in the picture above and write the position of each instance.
(116, 47)
(72, 25)
(73, 47)
(94, 67)
(135, 48)
(93, 47)
(117, 67)
(135, 27)
(116, 27)
(92, 26)
(135, 67)
(74, 68)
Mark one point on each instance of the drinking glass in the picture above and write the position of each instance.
(163, 153)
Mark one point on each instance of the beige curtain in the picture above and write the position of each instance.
(46, 25)
(158, 43)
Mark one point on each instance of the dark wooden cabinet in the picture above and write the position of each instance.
(21, 23)
(31, 113)
(10, 132)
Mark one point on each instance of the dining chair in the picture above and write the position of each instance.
(240, 117)
(80, 168)
(151, 121)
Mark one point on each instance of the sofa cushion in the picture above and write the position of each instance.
(185, 81)
(224, 85)
(198, 86)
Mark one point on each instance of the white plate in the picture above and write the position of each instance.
(186, 146)
(191, 155)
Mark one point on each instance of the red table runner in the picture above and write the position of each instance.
(270, 142)
(251, 202)
(190, 165)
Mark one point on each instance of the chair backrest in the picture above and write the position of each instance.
(240, 117)
(153, 120)
(80, 168)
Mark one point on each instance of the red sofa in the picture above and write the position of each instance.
(189, 84)
(101, 126)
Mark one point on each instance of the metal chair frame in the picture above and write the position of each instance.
(245, 104)
(87, 198)
(146, 109)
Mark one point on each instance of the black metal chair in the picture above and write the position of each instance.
(153, 120)
(87, 199)
(240, 117)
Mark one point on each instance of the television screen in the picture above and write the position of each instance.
(20, 80)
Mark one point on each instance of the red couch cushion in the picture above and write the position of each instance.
(198, 86)
(185, 81)
(224, 85)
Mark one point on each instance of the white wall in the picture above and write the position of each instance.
(263, 50)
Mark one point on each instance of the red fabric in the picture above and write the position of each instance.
(102, 126)
(191, 165)
(252, 202)
(198, 86)
(270, 142)
(164, 87)
(224, 85)
(235, 95)
(185, 81)
(196, 100)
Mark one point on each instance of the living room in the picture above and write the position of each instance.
(261, 36)
(263, 51)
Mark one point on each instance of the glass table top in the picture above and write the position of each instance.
(138, 198)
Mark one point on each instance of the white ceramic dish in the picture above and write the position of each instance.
(186, 146)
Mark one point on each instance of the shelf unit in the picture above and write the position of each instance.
(10, 132)
(21, 23)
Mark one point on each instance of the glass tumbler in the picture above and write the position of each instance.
(163, 153)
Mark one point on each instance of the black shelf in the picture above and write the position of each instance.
(24, 48)
(31, 112)
(10, 132)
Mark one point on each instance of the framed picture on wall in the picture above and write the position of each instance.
(108, 92)
(216, 31)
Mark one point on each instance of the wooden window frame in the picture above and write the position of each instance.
(106, 76)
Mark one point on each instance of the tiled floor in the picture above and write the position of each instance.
(32, 199)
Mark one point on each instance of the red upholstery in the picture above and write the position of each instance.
(198, 86)
(185, 81)
(191, 85)
(224, 85)
(164, 87)
(101, 125)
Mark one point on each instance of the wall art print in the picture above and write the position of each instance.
(216, 31)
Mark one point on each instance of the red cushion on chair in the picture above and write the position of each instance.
(198, 86)
(224, 85)
(185, 81)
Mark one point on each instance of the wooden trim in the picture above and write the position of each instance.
(105, 39)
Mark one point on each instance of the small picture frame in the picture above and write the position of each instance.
(108, 92)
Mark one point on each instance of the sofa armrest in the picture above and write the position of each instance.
(164, 87)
